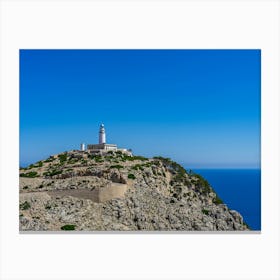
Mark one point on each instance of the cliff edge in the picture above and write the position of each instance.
(114, 191)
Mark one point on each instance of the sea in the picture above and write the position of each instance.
(240, 190)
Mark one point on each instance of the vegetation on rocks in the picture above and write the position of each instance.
(116, 191)
(68, 227)
(31, 174)
(52, 173)
(205, 211)
(62, 157)
(25, 205)
(131, 176)
(50, 159)
(178, 171)
(217, 200)
(117, 166)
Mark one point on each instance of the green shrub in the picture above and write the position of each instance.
(205, 211)
(25, 187)
(131, 176)
(109, 158)
(141, 166)
(156, 162)
(48, 207)
(52, 172)
(137, 158)
(116, 166)
(138, 167)
(203, 185)
(217, 200)
(72, 160)
(68, 227)
(50, 159)
(25, 205)
(97, 158)
(39, 164)
(124, 157)
(31, 174)
(180, 172)
(62, 157)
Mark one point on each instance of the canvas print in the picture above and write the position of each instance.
(140, 140)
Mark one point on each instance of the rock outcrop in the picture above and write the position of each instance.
(117, 192)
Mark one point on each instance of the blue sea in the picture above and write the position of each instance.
(240, 189)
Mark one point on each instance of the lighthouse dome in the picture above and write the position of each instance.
(102, 136)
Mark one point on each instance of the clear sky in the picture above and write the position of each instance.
(199, 107)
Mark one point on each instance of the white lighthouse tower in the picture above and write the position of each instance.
(83, 147)
(102, 147)
(102, 135)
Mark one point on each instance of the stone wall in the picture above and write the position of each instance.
(113, 191)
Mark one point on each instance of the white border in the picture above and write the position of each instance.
(139, 24)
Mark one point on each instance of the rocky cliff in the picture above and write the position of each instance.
(116, 192)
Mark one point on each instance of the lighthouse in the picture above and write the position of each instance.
(102, 147)
(102, 135)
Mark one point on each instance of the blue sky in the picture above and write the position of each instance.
(199, 107)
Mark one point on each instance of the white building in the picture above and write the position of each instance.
(103, 146)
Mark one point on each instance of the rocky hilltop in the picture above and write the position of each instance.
(114, 191)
